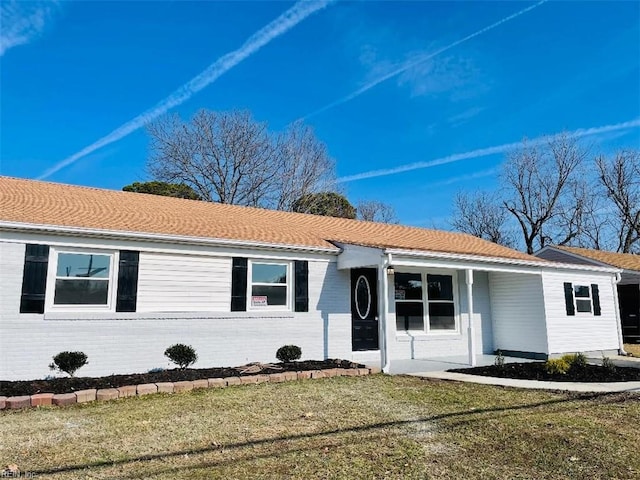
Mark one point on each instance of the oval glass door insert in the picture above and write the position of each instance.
(363, 297)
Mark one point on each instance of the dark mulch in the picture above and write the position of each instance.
(535, 371)
(68, 385)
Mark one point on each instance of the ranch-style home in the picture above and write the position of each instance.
(121, 276)
(628, 290)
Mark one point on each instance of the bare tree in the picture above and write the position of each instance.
(304, 167)
(620, 179)
(375, 211)
(228, 157)
(482, 214)
(539, 184)
(598, 225)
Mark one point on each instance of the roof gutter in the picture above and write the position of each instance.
(500, 260)
(156, 237)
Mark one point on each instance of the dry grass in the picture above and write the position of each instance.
(362, 427)
(632, 348)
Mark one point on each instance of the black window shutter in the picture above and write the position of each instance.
(568, 299)
(34, 280)
(239, 284)
(595, 294)
(127, 281)
(302, 285)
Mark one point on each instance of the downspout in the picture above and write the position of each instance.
(614, 283)
(385, 261)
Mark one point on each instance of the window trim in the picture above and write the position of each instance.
(52, 276)
(576, 298)
(426, 328)
(289, 285)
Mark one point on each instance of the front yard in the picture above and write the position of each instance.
(345, 427)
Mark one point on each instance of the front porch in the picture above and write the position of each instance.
(414, 312)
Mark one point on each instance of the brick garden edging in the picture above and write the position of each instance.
(91, 395)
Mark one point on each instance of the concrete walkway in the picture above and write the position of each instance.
(534, 384)
(436, 369)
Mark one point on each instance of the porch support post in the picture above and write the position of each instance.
(470, 330)
(383, 309)
(616, 304)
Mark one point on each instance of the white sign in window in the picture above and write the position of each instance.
(269, 284)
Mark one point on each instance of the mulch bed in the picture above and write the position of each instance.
(69, 385)
(535, 371)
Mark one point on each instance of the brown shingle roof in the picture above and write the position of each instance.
(626, 261)
(44, 203)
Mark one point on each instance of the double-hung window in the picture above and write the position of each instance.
(582, 295)
(425, 300)
(270, 285)
(441, 306)
(83, 279)
(409, 303)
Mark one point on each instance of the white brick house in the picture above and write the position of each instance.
(121, 276)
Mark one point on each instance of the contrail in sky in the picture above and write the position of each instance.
(277, 27)
(418, 61)
(484, 152)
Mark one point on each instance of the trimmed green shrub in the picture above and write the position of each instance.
(557, 366)
(69, 362)
(182, 355)
(288, 353)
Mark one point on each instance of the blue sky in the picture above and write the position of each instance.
(72, 73)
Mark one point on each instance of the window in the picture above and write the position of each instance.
(440, 298)
(82, 279)
(409, 304)
(417, 300)
(582, 295)
(269, 286)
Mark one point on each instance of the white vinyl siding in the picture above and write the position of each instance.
(517, 306)
(135, 342)
(183, 283)
(582, 331)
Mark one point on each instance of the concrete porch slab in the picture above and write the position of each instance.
(440, 364)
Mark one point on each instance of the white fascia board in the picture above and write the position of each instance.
(160, 238)
(496, 263)
(356, 256)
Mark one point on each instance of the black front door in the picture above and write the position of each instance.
(364, 309)
(629, 298)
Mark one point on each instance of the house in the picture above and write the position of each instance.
(628, 290)
(121, 276)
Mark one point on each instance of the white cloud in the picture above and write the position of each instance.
(255, 42)
(22, 22)
(418, 60)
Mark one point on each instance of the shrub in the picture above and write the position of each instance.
(289, 353)
(608, 364)
(69, 362)
(576, 361)
(182, 355)
(557, 366)
(499, 361)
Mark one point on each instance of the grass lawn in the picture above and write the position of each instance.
(357, 427)
(632, 348)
